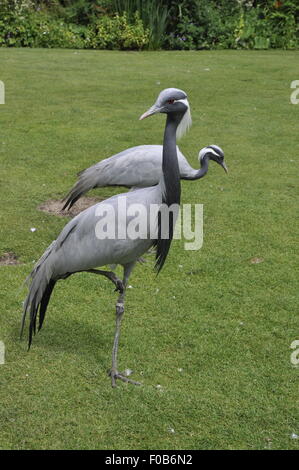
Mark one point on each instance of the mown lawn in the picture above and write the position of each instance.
(214, 329)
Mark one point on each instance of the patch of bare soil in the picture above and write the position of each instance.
(55, 207)
(8, 259)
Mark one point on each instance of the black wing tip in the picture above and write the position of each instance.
(71, 200)
(29, 345)
(68, 204)
(158, 268)
(38, 309)
(163, 246)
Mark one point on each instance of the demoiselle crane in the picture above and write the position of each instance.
(80, 247)
(140, 167)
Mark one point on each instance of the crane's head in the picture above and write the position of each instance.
(213, 152)
(172, 101)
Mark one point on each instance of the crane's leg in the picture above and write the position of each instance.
(110, 275)
(120, 309)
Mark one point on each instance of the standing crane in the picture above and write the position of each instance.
(138, 167)
(78, 248)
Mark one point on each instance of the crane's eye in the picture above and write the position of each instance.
(170, 101)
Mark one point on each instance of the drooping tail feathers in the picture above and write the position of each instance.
(75, 193)
(40, 290)
(87, 180)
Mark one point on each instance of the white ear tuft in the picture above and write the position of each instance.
(185, 123)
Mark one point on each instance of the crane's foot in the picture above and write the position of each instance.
(119, 285)
(114, 374)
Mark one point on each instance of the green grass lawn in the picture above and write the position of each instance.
(213, 330)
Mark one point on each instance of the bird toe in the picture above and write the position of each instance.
(114, 374)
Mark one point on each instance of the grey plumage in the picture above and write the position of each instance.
(139, 166)
(78, 248)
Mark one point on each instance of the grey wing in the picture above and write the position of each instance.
(78, 247)
(139, 166)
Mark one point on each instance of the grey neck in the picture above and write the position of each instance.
(197, 174)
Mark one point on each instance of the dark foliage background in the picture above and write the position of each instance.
(151, 24)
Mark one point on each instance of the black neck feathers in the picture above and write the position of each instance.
(171, 191)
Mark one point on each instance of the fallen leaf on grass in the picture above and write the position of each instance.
(256, 260)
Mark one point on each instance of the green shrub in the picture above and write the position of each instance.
(150, 24)
(211, 24)
(202, 24)
(153, 13)
(284, 25)
(251, 30)
(23, 26)
(58, 34)
(82, 12)
(116, 33)
(272, 26)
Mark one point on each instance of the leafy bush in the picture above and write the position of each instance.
(211, 24)
(202, 24)
(153, 13)
(82, 12)
(273, 25)
(116, 33)
(284, 21)
(57, 34)
(150, 24)
(23, 26)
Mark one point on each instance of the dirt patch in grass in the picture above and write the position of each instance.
(55, 206)
(8, 259)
